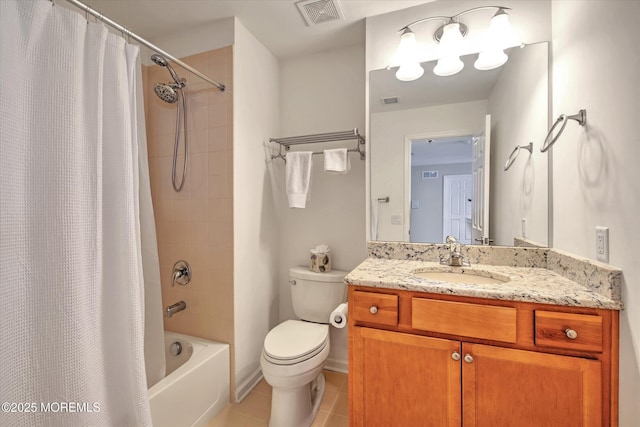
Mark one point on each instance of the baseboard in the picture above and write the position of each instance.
(245, 388)
(337, 365)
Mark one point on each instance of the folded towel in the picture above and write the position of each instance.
(298, 177)
(337, 161)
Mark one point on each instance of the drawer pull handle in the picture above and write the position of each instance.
(455, 356)
(571, 334)
(468, 358)
(373, 309)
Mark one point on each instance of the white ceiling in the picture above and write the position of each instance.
(276, 23)
(441, 151)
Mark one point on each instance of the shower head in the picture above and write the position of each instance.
(162, 61)
(159, 59)
(167, 92)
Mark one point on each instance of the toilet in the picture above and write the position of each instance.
(295, 351)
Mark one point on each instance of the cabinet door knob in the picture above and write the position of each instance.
(373, 309)
(468, 358)
(571, 334)
(455, 356)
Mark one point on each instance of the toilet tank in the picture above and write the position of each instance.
(315, 295)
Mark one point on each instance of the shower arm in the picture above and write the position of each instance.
(88, 10)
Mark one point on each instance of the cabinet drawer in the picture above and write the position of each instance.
(462, 319)
(568, 331)
(375, 308)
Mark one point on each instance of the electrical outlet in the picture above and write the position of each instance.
(602, 243)
(396, 219)
(524, 228)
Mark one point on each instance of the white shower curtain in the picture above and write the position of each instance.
(71, 275)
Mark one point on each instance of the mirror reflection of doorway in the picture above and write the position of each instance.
(441, 189)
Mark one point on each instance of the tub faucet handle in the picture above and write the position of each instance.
(181, 273)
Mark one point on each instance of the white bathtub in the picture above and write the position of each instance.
(196, 387)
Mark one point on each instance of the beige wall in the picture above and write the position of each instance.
(322, 92)
(256, 233)
(595, 168)
(196, 224)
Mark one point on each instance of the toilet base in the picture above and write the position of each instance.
(296, 406)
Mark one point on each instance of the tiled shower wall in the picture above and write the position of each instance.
(195, 224)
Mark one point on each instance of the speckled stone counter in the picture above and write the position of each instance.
(488, 255)
(539, 275)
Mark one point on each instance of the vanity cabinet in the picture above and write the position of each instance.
(436, 360)
(403, 380)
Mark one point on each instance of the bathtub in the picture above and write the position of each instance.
(196, 387)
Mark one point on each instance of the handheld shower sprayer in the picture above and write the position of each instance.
(162, 61)
(171, 93)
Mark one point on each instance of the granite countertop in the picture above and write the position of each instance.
(539, 285)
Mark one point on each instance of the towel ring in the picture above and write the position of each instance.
(580, 117)
(514, 154)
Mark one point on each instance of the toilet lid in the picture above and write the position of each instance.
(294, 339)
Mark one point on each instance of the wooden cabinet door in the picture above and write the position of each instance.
(403, 380)
(506, 387)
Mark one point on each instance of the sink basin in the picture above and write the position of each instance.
(466, 276)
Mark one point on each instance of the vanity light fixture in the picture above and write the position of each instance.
(450, 37)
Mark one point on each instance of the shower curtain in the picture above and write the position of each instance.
(71, 257)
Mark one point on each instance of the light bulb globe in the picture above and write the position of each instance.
(448, 66)
(409, 72)
(452, 39)
(490, 59)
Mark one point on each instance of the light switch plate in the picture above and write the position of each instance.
(602, 243)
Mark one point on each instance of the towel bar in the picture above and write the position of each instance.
(318, 138)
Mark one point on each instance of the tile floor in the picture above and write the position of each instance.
(255, 409)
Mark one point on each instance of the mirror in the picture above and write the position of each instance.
(426, 137)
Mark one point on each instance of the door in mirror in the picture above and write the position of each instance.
(480, 171)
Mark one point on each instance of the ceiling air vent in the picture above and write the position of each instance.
(389, 100)
(319, 11)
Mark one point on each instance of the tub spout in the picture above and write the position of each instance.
(170, 310)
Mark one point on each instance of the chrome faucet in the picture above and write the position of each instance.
(455, 258)
(170, 310)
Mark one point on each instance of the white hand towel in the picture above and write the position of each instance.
(298, 177)
(337, 161)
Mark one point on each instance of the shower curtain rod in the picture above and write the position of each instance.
(142, 41)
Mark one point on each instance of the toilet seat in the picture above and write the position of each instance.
(294, 341)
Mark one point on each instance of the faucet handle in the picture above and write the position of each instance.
(181, 273)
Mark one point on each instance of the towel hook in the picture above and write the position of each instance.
(580, 117)
(514, 154)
